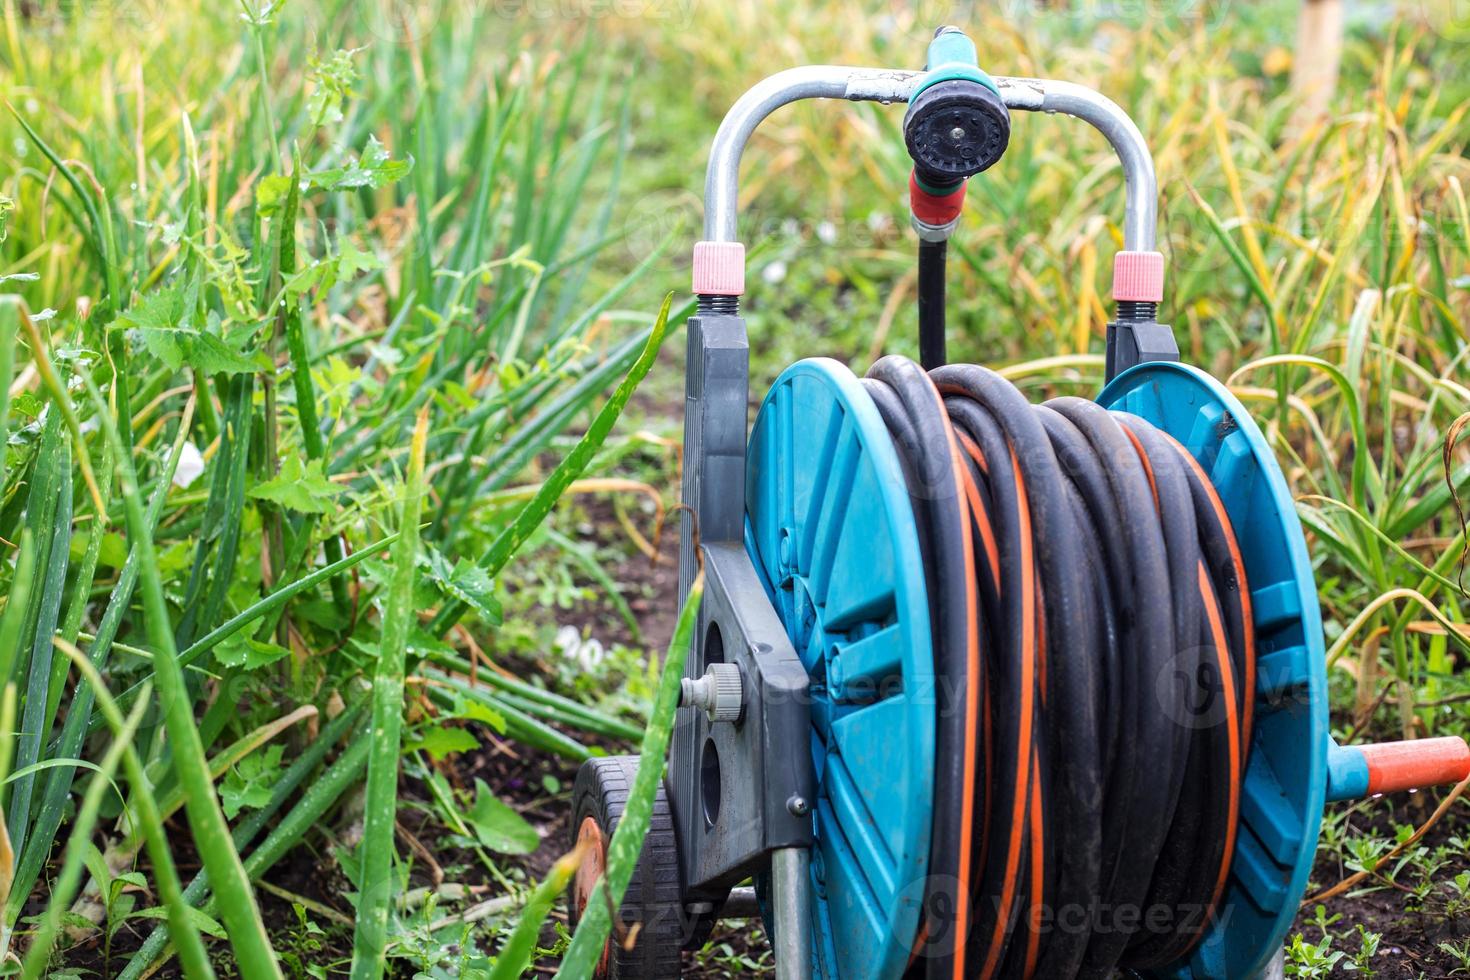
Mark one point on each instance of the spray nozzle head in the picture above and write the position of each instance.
(954, 129)
(956, 125)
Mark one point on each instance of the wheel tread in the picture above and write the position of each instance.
(601, 790)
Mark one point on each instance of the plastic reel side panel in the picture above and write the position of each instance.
(1286, 777)
(831, 529)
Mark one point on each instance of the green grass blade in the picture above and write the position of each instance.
(100, 238)
(585, 560)
(48, 520)
(224, 524)
(181, 924)
(211, 833)
(7, 753)
(290, 321)
(264, 607)
(1362, 475)
(11, 310)
(17, 603)
(375, 896)
(627, 841)
(69, 879)
(57, 790)
(238, 750)
(535, 511)
(247, 830)
(518, 724)
(562, 709)
(515, 955)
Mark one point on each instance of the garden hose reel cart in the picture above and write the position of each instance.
(811, 751)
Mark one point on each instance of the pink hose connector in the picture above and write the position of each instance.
(1138, 277)
(719, 268)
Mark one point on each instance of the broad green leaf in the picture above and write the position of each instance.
(440, 740)
(250, 654)
(203, 352)
(465, 581)
(113, 551)
(162, 321)
(498, 827)
(374, 168)
(299, 486)
(336, 382)
(202, 921)
(96, 866)
(352, 261)
(483, 713)
(250, 782)
(26, 405)
(270, 192)
(166, 308)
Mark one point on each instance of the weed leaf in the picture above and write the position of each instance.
(299, 486)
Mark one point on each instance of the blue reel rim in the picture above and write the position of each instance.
(1163, 392)
(832, 382)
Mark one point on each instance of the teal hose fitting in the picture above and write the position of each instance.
(957, 124)
(951, 57)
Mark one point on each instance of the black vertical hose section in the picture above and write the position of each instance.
(914, 414)
(1094, 662)
(932, 256)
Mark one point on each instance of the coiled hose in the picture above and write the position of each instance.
(1094, 658)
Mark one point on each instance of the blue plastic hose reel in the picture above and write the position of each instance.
(831, 528)
(1286, 777)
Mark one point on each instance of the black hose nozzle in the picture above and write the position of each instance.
(954, 129)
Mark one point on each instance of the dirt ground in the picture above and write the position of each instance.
(1413, 938)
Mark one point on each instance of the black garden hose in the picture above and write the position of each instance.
(932, 257)
(1093, 656)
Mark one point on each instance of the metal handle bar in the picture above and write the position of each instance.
(722, 179)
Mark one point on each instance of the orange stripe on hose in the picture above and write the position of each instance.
(1038, 823)
(1236, 728)
(1038, 855)
(1232, 723)
(1143, 457)
(1027, 708)
(919, 941)
(1249, 687)
(972, 702)
(972, 448)
(977, 507)
(981, 520)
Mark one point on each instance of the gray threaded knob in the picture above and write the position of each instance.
(719, 692)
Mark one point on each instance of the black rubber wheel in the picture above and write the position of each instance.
(652, 900)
